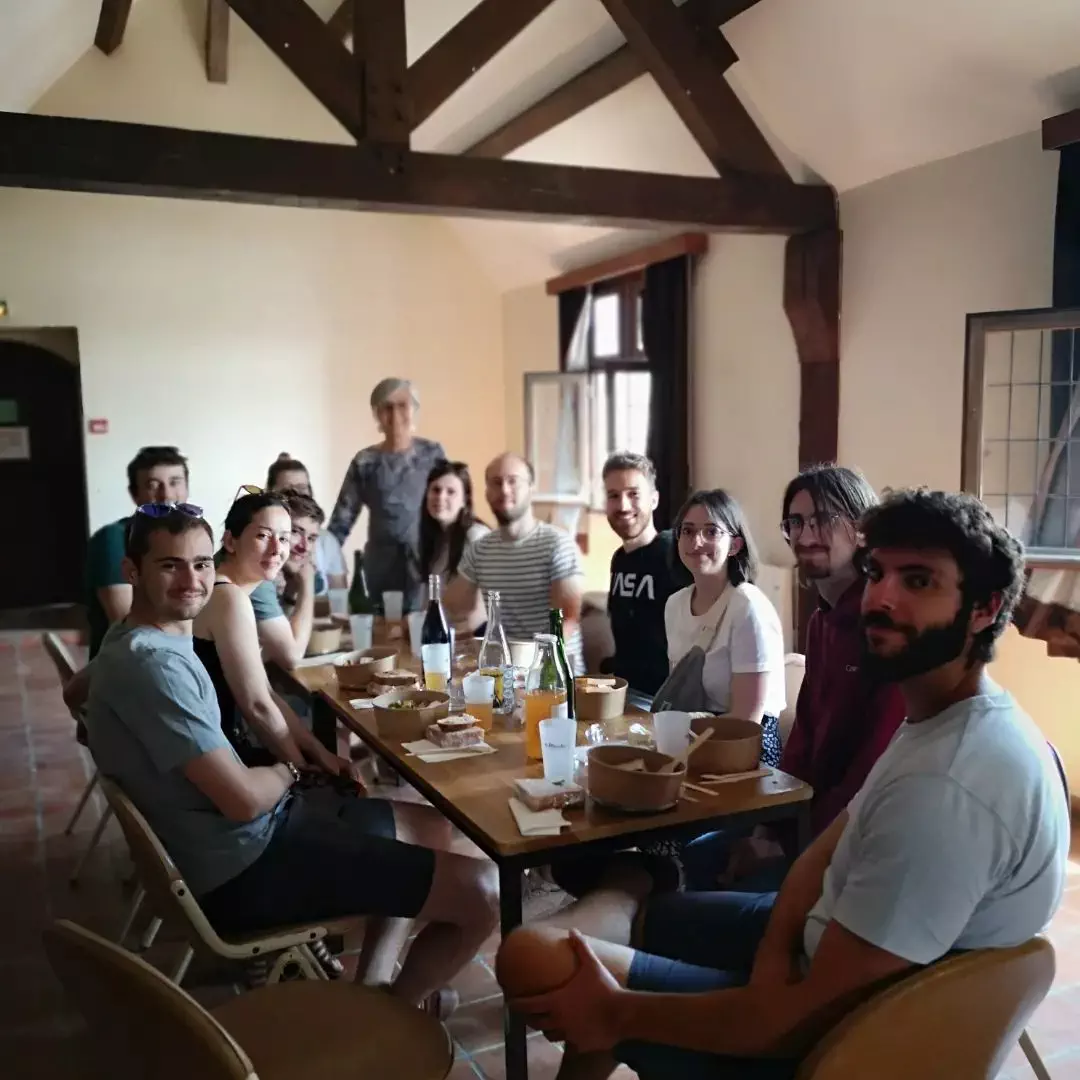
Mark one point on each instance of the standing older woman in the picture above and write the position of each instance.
(725, 642)
(390, 479)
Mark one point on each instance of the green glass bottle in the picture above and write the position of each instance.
(555, 623)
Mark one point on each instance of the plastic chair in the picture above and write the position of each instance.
(150, 1029)
(954, 1020)
(171, 898)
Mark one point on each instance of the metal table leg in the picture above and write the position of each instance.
(510, 889)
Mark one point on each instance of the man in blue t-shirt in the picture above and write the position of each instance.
(260, 847)
(958, 840)
(156, 474)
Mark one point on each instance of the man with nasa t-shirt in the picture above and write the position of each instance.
(644, 573)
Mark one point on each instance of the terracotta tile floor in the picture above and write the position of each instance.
(42, 773)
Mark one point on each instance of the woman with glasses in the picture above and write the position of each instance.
(390, 479)
(447, 523)
(725, 641)
(261, 727)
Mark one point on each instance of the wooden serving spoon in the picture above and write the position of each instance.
(673, 765)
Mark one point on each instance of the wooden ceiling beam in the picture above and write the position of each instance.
(464, 49)
(340, 23)
(380, 65)
(304, 44)
(68, 154)
(687, 56)
(217, 41)
(596, 82)
(112, 22)
(1061, 130)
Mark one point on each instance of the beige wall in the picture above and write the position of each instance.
(237, 332)
(530, 341)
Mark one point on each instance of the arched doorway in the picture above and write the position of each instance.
(42, 478)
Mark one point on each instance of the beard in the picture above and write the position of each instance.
(508, 517)
(629, 530)
(926, 649)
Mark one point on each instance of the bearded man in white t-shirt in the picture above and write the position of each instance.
(958, 840)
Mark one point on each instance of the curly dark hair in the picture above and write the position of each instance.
(990, 558)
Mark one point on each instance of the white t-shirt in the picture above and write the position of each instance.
(750, 639)
(958, 839)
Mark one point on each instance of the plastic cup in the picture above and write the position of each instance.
(416, 628)
(672, 732)
(393, 605)
(339, 601)
(558, 736)
(479, 691)
(363, 630)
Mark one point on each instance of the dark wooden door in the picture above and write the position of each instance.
(42, 478)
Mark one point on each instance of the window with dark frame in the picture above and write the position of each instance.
(619, 376)
(1021, 451)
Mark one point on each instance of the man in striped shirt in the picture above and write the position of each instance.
(534, 566)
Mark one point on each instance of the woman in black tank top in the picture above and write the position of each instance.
(260, 727)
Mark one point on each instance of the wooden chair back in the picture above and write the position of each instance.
(957, 1019)
(147, 1026)
(60, 656)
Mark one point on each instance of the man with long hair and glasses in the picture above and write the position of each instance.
(157, 474)
(845, 715)
(258, 846)
(958, 840)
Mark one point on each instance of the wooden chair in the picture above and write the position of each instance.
(65, 668)
(954, 1020)
(151, 1029)
(170, 897)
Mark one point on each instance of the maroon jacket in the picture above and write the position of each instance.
(843, 719)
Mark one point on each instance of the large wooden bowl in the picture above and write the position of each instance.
(325, 637)
(637, 792)
(599, 706)
(354, 670)
(409, 725)
(735, 745)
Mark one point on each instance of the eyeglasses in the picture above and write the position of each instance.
(708, 533)
(248, 489)
(164, 509)
(793, 525)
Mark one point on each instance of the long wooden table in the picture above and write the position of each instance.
(473, 793)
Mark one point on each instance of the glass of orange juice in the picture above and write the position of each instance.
(479, 691)
(538, 706)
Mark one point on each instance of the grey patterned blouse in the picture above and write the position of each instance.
(392, 485)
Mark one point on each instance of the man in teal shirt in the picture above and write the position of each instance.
(156, 474)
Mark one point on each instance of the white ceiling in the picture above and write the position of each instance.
(847, 90)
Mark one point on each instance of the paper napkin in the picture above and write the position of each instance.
(537, 822)
(427, 751)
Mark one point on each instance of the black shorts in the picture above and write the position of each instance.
(332, 856)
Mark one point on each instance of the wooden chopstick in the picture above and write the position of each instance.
(729, 778)
(695, 787)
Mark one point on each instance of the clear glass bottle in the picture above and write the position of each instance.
(545, 687)
(494, 657)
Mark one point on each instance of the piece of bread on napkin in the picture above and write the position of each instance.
(455, 732)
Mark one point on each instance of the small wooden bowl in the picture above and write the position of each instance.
(325, 638)
(382, 682)
(409, 725)
(735, 745)
(598, 706)
(637, 792)
(355, 670)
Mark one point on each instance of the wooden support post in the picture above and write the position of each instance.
(217, 41)
(812, 303)
(379, 56)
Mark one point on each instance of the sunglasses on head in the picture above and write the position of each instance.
(248, 489)
(163, 509)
